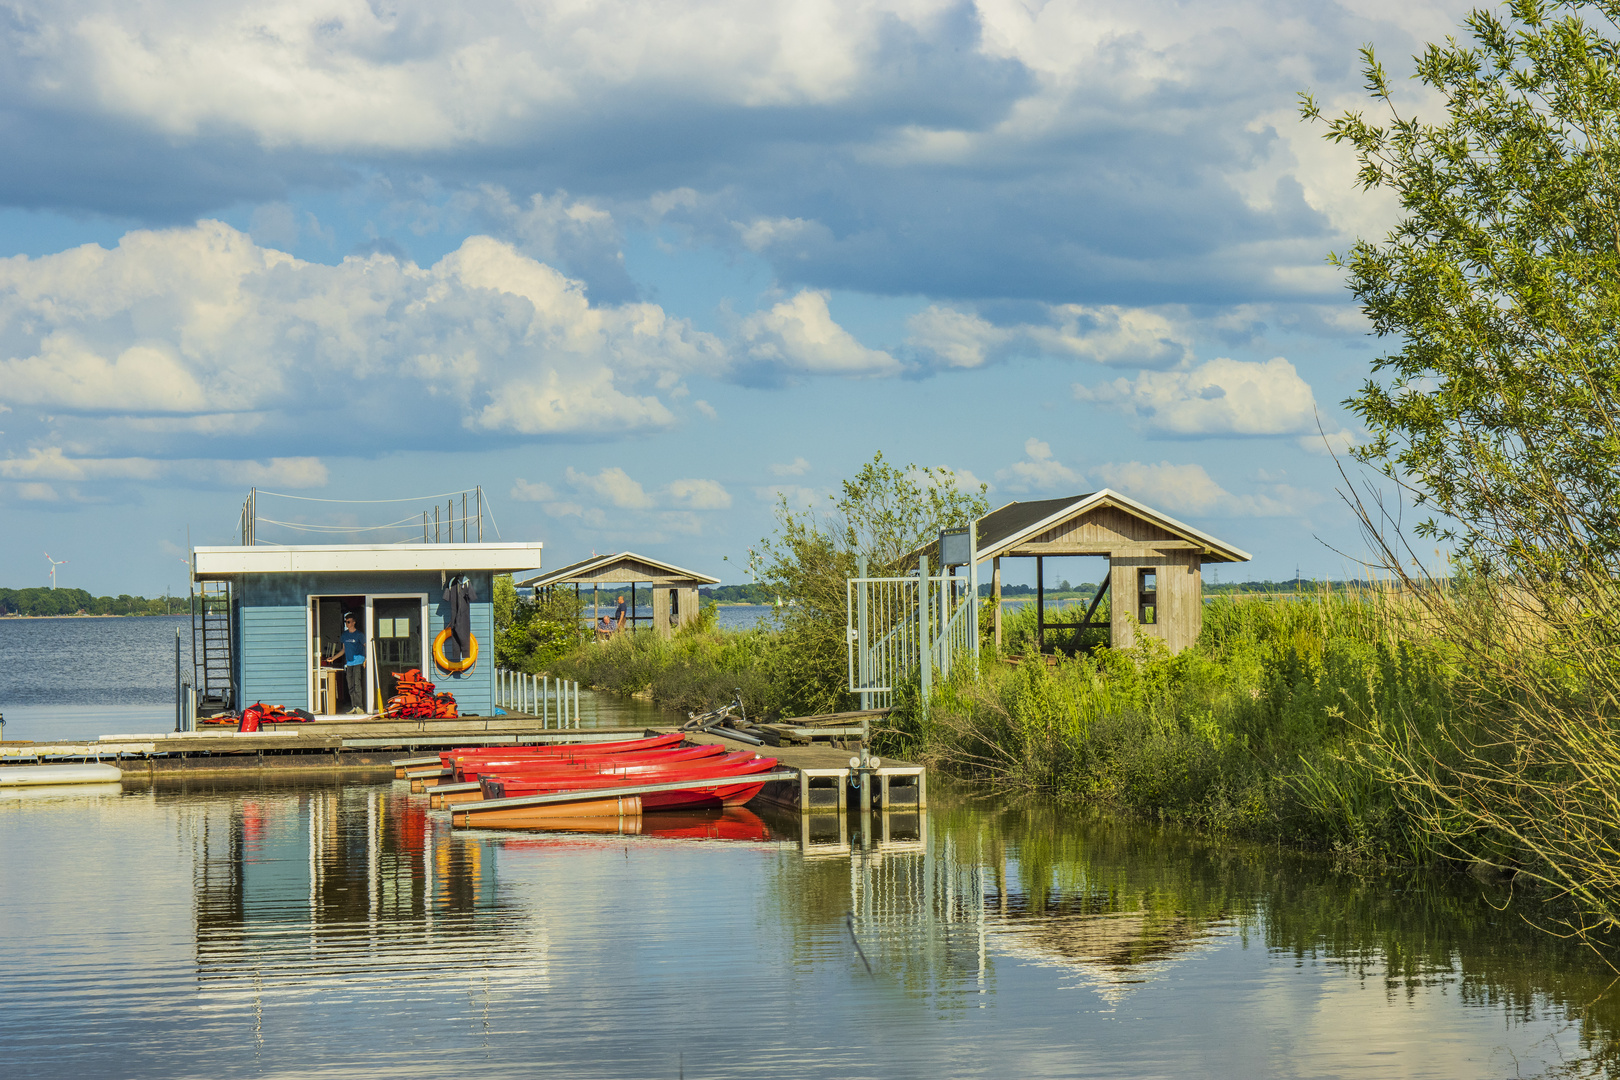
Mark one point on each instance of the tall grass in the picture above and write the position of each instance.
(1283, 723)
(1259, 730)
(694, 670)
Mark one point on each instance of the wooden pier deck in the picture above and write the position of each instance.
(373, 746)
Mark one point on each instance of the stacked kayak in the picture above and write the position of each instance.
(531, 786)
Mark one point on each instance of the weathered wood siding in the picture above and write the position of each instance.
(1102, 525)
(660, 606)
(1180, 604)
(686, 602)
(625, 572)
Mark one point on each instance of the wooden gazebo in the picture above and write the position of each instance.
(674, 589)
(1155, 574)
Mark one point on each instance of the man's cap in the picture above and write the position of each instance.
(350, 615)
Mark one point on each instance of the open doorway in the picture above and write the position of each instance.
(395, 628)
(329, 693)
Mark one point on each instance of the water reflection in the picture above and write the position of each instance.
(341, 926)
(345, 887)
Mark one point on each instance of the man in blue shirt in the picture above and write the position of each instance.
(354, 663)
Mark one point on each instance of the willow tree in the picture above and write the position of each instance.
(1494, 407)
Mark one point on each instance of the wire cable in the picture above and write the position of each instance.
(409, 522)
(414, 498)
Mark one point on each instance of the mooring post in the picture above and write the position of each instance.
(178, 717)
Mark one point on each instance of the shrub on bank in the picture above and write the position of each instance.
(697, 669)
(1259, 730)
(1256, 731)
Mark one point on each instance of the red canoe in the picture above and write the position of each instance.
(560, 779)
(709, 785)
(449, 757)
(472, 770)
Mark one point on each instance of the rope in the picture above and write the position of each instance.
(301, 527)
(414, 498)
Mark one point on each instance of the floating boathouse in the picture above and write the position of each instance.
(267, 615)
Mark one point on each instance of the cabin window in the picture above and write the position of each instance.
(1147, 597)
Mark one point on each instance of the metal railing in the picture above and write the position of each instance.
(538, 695)
(898, 627)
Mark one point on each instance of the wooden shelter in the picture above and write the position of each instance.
(674, 589)
(1155, 574)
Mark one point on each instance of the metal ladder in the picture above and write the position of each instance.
(211, 646)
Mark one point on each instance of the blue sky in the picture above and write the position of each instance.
(640, 268)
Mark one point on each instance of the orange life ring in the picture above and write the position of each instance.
(455, 668)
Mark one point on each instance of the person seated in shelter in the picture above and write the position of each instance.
(606, 627)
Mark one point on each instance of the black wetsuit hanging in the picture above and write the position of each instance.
(458, 597)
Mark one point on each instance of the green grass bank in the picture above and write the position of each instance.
(1261, 730)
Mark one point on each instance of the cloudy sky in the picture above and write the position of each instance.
(639, 267)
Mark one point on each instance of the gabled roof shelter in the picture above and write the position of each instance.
(675, 589)
(1155, 561)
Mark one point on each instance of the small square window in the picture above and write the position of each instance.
(1147, 597)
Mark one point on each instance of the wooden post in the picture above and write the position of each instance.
(1040, 606)
(995, 595)
(660, 606)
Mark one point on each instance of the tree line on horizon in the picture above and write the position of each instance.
(45, 601)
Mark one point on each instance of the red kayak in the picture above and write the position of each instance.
(450, 757)
(564, 777)
(710, 786)
(472, 770)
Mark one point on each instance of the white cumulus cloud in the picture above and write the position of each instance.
(800, 336)
(1220, 397)
(1039, 471)
(946, 336)
(202, 320)
(699, 495)
(612, 485)
(1185, 490)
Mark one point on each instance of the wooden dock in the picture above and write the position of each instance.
(823, 780)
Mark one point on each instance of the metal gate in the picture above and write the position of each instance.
(919, 624)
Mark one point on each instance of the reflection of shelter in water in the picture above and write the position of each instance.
(347, 875)
(922, 912)
(940, 913)
(1114, 943)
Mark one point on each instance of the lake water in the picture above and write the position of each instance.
(82, 678)
(310, 928)
(321, 927)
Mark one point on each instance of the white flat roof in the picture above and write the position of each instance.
(219, 562)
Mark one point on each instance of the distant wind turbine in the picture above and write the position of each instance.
(54, 565)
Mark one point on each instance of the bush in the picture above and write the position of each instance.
(1257, 731)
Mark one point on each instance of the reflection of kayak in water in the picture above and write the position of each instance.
(732, 823)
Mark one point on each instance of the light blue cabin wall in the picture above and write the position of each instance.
(273, 656)
(273, 652)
